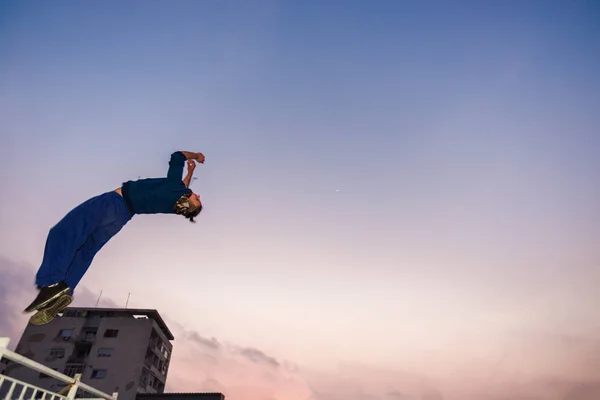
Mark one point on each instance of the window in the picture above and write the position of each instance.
(65, 333)
(162, 348)
(89, 336)
(99, 374)
(57, 352)
(111, 333)
(104, 352)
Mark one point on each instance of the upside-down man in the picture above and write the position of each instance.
(74, 241)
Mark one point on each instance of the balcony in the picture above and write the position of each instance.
(155, 366)
(78, 358)
(71, 369)
(81, 352)
(159, 375)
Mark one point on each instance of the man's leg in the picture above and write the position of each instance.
(114, 218)
(80, 264)
(64, 239)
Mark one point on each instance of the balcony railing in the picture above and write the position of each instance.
(15, 388)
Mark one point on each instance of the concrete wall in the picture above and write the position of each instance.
(124, 367)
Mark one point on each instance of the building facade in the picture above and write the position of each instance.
(116, 350)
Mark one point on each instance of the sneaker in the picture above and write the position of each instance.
(46, 295)
(47, 314)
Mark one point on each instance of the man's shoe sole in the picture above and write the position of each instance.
(48, 314)
(37, 307)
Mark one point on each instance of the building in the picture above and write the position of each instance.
(116, 350)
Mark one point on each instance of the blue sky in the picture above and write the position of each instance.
(368, 164)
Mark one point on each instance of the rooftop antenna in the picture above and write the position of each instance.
(126, 304)
(98, 301)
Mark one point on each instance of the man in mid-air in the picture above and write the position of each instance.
(74, 241)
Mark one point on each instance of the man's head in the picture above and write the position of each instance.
(189, 205)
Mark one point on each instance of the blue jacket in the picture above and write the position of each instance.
(157, 195)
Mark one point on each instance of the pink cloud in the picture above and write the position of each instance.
(527, 365)
(206, 364)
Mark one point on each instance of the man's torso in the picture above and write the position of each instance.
(152, 195)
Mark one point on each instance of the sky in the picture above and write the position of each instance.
(400, 198)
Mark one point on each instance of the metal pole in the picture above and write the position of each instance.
(74, 387)
(4, 341)
(98, 301)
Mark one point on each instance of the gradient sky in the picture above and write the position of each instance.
(394, 191)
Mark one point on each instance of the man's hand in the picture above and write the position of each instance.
(191, 165)
(190, 155)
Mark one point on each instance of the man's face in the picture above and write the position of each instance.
(195, 200)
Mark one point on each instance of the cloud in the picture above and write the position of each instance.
(16, 292)
(210, 343)
(199, 363)
(240, 372)
(538, 365)
(258, 357)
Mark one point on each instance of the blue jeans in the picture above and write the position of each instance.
(74, 241)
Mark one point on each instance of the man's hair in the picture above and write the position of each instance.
(193, 214)
(185, 208)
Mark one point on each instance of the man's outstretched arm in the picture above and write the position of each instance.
(178, 160)
(190, 172)
(189, 155)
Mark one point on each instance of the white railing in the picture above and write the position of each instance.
(24, 391)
